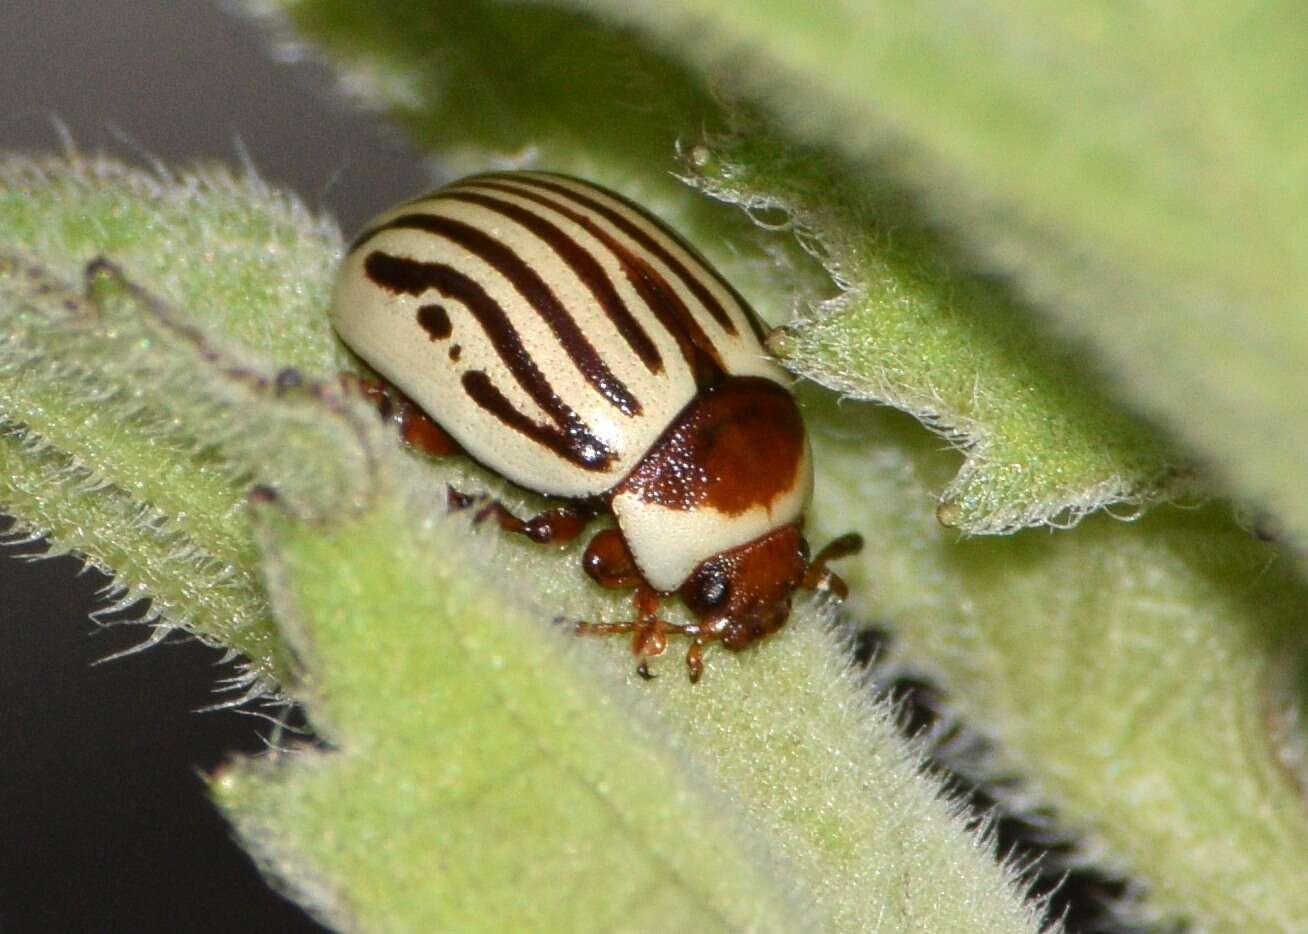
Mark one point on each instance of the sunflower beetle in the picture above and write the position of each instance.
(568, 340)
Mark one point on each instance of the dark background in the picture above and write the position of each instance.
(104, 823)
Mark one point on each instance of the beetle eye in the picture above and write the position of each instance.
(715, 591)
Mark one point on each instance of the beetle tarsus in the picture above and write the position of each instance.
(602, 629)
(695, 660)
(650, 639)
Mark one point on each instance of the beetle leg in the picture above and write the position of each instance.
(650, 639)
(417, 428)
(609, 563)
(554, 526)
(649, 631)
(695, 658)
(820, 577)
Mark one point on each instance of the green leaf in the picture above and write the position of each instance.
(1146, 677)
(248, 259)
(1140, 172)
(1043, 442)
(130, 435)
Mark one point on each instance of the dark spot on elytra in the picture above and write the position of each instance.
(455, 352)
(435, 321)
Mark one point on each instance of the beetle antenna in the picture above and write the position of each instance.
(821, 578)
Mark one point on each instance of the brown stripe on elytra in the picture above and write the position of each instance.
(642, 237)
(400, 275)
(737, 445)
(694, 283)
(528, 283)
(588, 452)
(583, 265)
(696, 346)
(435, 320)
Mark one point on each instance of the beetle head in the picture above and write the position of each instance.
(743, 594)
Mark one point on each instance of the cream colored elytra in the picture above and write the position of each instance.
(504, 256)
(382, 328)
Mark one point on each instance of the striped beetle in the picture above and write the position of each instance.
(568, 340)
